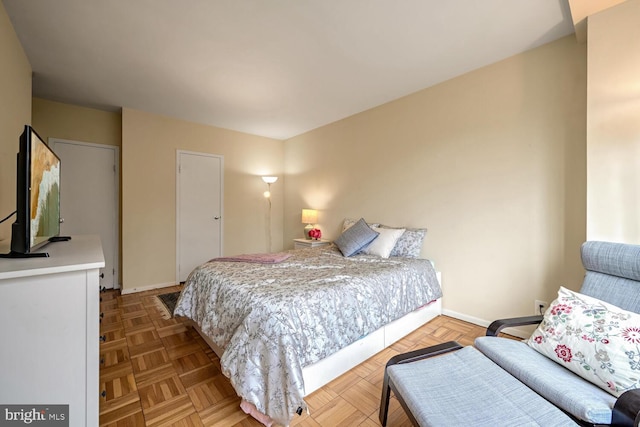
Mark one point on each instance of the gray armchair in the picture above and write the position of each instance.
(501, 381)
(612, 275)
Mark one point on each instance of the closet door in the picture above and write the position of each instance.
(199, 184)
(89, 198)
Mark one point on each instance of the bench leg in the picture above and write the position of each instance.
(409, 357)
(384, 400)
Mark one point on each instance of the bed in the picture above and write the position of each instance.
(284, 329)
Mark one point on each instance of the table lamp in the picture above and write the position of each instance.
(309, 217)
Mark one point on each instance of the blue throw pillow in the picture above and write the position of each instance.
(355, 238)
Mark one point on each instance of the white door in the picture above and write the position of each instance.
(89, 198)
(199, 186)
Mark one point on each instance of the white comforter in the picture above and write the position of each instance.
(274, 319)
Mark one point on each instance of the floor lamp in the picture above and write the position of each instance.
(267, 194)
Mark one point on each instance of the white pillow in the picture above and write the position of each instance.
(410, 243)
(384, 243)
(594, 339)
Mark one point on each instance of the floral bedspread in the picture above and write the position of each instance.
(274, 319)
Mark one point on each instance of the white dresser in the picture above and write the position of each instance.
(49, 328)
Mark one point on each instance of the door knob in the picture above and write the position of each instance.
(216, 217)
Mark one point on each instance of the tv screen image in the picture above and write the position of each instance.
(37, 197)
(45, 192)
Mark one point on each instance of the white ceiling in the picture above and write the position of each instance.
(276, 68)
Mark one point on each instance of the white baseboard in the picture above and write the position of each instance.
(466, 318)
(517, 332)
(147, 288)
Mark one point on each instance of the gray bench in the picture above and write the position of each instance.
(437, 391)
(462, 388)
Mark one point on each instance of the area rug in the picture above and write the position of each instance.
(167, 303)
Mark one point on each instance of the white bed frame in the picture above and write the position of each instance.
(326, 370)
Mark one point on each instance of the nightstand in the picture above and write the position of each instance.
(305, 243)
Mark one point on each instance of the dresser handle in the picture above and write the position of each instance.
(103, 338)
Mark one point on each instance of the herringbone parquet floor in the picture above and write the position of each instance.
(157, 372)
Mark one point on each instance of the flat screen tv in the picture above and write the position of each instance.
(37, 196)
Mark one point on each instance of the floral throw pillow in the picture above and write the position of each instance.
(594, 339)
(409, 245)
(348, 222)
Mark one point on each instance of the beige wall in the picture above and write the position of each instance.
(613, 124)
(149, 144)
(492, 163)
(581, 9)
(15, 112)
(57, 120)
